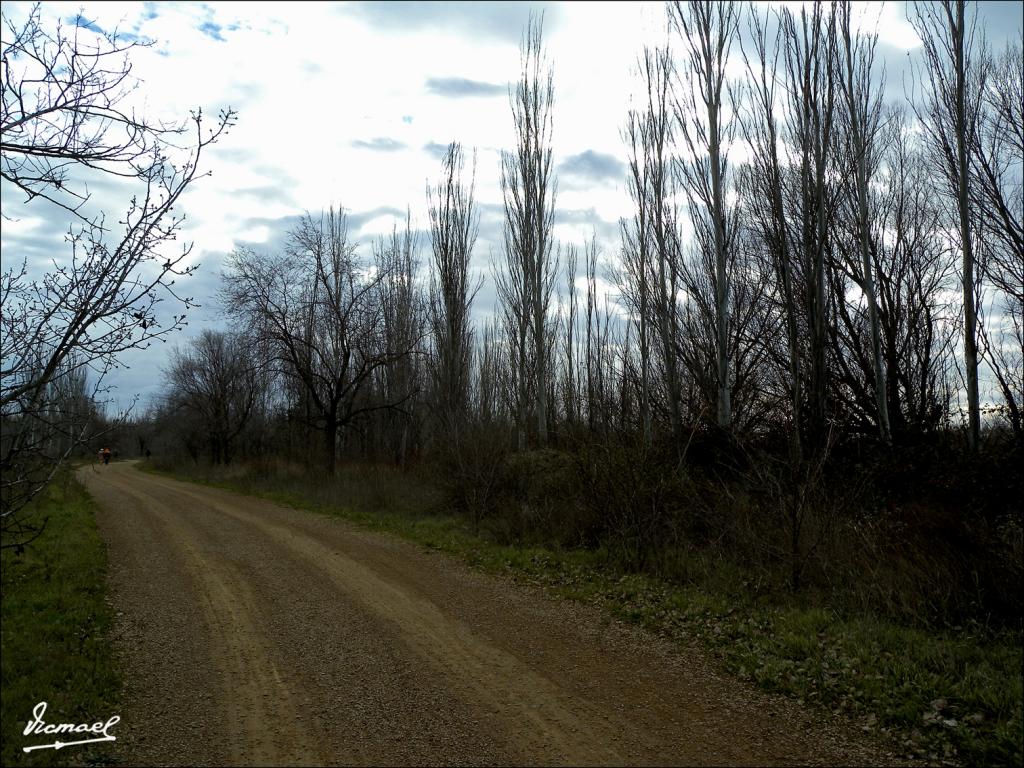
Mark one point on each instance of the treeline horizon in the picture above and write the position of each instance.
(779, 381)
(813, 297)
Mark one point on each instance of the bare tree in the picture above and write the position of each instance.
(791, 190)
(949, 113)
(766, 205)
(635, 278)
(515, 331)
(321, 310)
(454, 223)
(571, 378)
(215, 378)
(861, 125)
(62, 109)
(489, 380)
(60, 122)
(650, 278)
(530, 266)
(707, 30)
(599, 349)
(914, 267)
(998, 196)
(402, 310)
(809, 58)
(35, 442)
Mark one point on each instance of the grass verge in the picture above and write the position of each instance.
(948, 697)
(56, 631)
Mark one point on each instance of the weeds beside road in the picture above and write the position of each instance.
(56, 644)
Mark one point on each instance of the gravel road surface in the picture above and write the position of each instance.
(254, 634)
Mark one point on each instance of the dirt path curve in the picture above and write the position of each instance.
(253, 634)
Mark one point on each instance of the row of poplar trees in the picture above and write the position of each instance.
(804, 256)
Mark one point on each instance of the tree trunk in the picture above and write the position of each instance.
(542, 375)
(721, 277)
(330, 443)
(970, 310)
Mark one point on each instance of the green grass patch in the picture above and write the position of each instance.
(56, 631)
(952, 696)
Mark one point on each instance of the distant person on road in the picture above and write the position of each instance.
(106, 455)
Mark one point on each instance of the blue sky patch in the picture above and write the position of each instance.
(210, 29)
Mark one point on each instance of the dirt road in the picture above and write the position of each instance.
(256, 634)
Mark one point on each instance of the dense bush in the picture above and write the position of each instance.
(926, 534)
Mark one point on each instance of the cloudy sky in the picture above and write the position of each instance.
(352, 104)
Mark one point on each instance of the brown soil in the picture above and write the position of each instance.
(253, 634)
